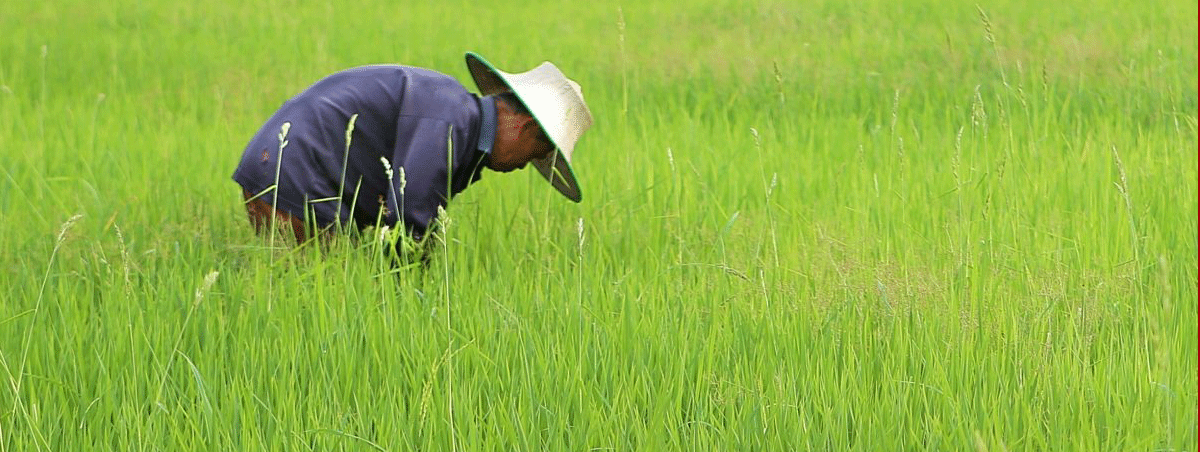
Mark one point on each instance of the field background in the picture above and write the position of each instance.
(878, 225)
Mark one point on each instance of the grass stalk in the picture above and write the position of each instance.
(1123, 189)
(345, 162)
(444, 221)
(209, 279)
(27, 341)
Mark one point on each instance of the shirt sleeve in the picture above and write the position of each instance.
(426, 153)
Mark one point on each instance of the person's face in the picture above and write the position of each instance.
(519, 140)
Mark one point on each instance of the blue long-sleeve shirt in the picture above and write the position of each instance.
(424, 123)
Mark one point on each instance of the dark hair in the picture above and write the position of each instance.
(514, 102)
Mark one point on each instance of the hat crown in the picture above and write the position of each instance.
(556, 102)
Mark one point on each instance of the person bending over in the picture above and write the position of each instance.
(390, 145)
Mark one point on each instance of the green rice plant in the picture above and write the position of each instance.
(879, 226)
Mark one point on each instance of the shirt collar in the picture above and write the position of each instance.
(487, 124)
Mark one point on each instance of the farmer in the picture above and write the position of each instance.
(390, 145)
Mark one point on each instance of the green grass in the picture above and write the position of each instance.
(879, 225)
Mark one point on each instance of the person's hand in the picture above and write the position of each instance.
(404, 249)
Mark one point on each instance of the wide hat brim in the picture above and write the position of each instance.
(555, 102)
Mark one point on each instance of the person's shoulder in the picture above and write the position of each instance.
(368, 71)
(387, 75)
(435, 95)
(419, 80)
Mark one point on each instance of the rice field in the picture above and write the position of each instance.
(911, 225)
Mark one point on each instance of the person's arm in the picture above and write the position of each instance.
(425, 154)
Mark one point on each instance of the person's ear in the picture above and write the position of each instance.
(528, 125)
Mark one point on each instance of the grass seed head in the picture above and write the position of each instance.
(66, 226)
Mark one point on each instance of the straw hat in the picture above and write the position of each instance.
(557, 105)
